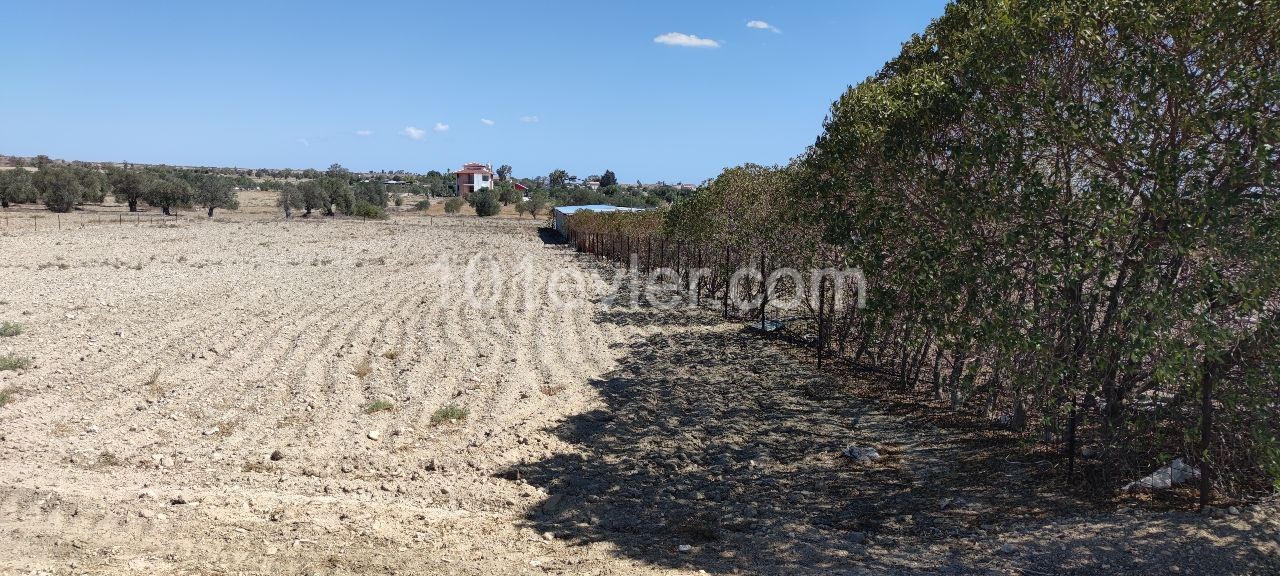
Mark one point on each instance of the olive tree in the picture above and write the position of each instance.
(215, 192)
(59, 187)
(167, 192)
(128, 185)
(16, 186)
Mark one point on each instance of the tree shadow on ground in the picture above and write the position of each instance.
(720, 451)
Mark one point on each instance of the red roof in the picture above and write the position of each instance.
(474, 168)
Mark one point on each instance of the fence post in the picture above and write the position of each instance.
(822, 305)
(764, 291)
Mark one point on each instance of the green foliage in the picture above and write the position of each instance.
(374, 193)
(557, 178)
(507, 192)
(378, 406)
(12, 362)
(167, 191)
(128, 185)
(453, 205)
(485, 201)
(608, 179)
(10, 329)
(363, 209)
(7, 394)
(289, 198)
(211, 191)
(422, 205)
(314, 197)
(59, 186)
(1056, 204)
(17, 187)
(449, 414)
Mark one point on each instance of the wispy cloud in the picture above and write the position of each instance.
(441, 127)
(762, 25)
(304, 142)
(529, 119)
(414, 133)
(486, 121)
(686, 40)
(364, 132)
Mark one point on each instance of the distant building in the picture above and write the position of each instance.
(473, 176)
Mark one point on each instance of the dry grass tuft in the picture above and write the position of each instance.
(552, 389)
(10, 329)
(363, 368)
(449, 414)
(391, 354)
(378, 406)
(7, 394)
(12, 362)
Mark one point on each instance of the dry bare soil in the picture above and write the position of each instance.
(172, 360)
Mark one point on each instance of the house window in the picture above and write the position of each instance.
(485, 177)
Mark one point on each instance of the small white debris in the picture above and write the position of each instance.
(1175, 473)
(374, 435)
(684, 548)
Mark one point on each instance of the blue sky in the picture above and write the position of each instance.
(636, 87)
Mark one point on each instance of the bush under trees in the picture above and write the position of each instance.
(453, 205)
(485, 201)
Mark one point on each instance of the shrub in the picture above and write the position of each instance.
(449, 414)
(453, 205)
(422, 205)
(7, 394)
(363, 209)
(11, 362)
(10, 329)
(378, 406)
(485, 202)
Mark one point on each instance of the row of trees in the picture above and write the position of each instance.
(1067, 214)
(61, 187)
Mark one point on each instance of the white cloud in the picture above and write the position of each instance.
(304, 142)
(364, 132)
(686, 40)
(762, 25)
(441, 127)
(486, 121)
(529, 119)
(414, 133)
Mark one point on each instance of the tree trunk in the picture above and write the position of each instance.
(1206, 427)
(211, 211)
(133, 204)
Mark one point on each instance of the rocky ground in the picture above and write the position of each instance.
(258, 397)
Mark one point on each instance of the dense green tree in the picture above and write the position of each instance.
(558, 178)
(314, 197)
(504, 172)
(485, 201)
(215, 192)
(290, 197)
(59, 186)
(128, 185)
(168, 191)
(608, 179)
(16, 186)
